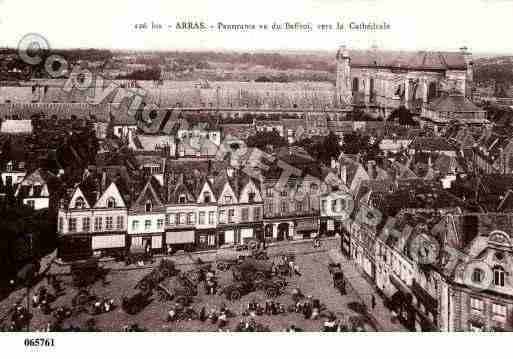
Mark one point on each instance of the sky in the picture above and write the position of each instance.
(481, 25)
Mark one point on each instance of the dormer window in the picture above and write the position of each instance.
(498, 276)
(111, 203)
(207, 197)
(148, 206)
(9, 167)
(182, 199)
(228, 199)
(79, 203)
(251, 197)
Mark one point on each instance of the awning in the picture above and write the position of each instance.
(108, 241)
(306, 225)
(246, 233)
(180, 237)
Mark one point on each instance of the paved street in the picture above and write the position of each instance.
(366, 291)
(315, 281)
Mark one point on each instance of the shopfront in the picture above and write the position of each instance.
(108, 244)
(180, 240)
(306, 228)
(75, 247)
(206, 239)
(147, 242)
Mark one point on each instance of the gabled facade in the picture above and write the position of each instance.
(13, 173)
(181, 215)
(480, 297)
(92, 219)
(146, 219)
(291, 209)
(33, 190)
(207, 216)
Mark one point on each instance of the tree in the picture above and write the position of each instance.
(324, 149)
(268, 140)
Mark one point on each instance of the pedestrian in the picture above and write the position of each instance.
(316, 303)
(213, 315)
(307, 310)
(267, 309)
(315, 314)
(296, 270)
(240, 326)
(35, 300)
(330, 325)
(171, 315)
(274, 308)
(373, 302)
(222, 320)
(202, 314)
(292, 267)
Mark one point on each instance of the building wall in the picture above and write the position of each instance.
(16, 177)
(153, 219)
(414, 84)
(37, 203)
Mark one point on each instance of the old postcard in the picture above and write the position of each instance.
(292, 166)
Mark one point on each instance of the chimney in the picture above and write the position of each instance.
(343, 174)
(103, 183)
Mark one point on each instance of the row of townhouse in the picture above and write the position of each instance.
(185, 211)
(191, 205)
(35, 189)
(440, 294)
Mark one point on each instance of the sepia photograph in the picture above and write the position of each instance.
(296, 166)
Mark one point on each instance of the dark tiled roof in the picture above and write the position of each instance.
(433, 144)
(425, 60)
(453, 103)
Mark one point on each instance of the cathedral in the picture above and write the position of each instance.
(386, 80)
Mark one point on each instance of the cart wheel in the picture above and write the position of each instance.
(259, 276)
(281, 283)
(253, 245)
(339, 283)
(144, 286)
(235, 295)
(222, 266)
(272, 292)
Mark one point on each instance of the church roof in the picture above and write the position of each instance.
(453, 103)
(418, 60)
